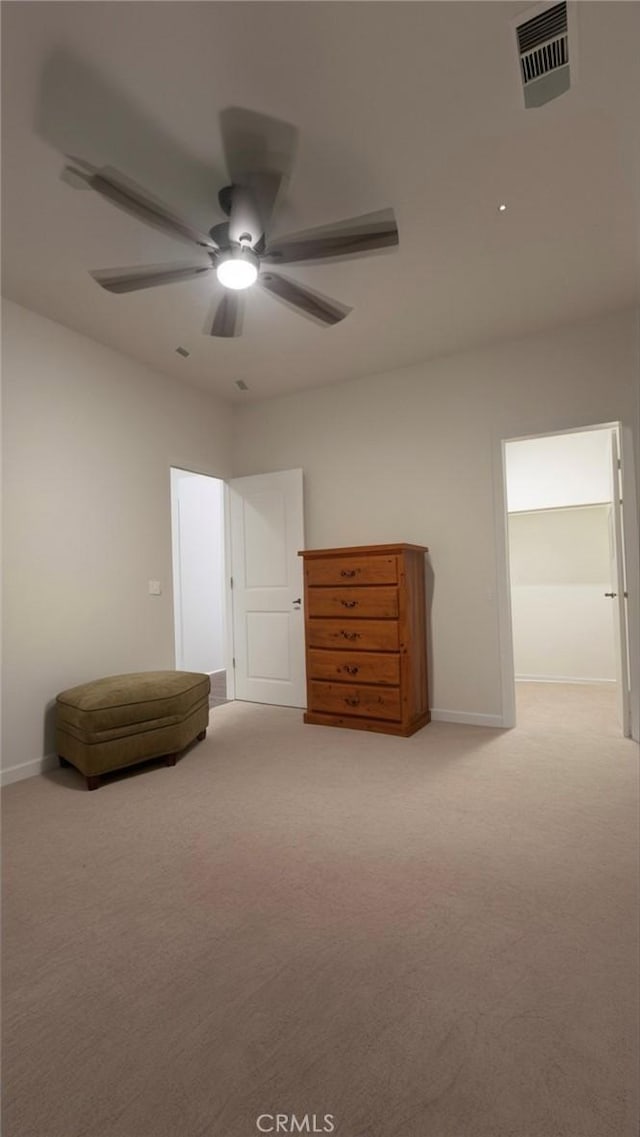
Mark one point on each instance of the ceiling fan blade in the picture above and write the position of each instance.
(259, 153)
(255, 141)
(228, 318)
(124, 193)
(245, 224)
(253, 200)
(130, 280)
(305, 300)
(348, 239)
(265, 188)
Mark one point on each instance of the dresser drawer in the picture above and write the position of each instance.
(351, 570)
(351, 699)
(357, 666)
(367, 635)
(381, 601)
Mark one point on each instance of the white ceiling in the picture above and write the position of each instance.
(417, 106)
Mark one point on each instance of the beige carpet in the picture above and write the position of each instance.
(424, 937)
(589, 708)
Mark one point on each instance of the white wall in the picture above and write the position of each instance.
(89, 439)
(562, 469)
(197, 526)
(414, 455)
(560, 570)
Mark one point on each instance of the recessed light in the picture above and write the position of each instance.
(502, 208)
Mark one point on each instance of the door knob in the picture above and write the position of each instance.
(611, 594)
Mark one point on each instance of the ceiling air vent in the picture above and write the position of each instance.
(543, 44)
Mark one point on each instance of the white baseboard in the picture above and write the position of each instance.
(28, 769)
(468, 718)
(560, 679)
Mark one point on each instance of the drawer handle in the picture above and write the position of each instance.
(349, 603)
(348, 572)
(353, 702)
(350, 669)
(350, 635)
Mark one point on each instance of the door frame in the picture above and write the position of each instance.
(631, 547)
(228, 595)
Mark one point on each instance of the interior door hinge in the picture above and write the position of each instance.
(231, 582)
(233, 662)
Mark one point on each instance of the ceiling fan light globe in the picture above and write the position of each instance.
(237, 272)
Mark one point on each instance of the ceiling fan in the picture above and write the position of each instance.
(240, 251)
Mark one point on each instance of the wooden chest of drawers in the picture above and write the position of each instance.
(365, 626)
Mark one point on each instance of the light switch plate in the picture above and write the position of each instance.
(154, 588)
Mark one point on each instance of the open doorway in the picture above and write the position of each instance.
(237, 584)
(197, 530)
(566, 579)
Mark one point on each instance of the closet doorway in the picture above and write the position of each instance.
(566, 580)
(199, 594)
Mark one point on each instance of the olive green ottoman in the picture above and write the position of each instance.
(125, 719)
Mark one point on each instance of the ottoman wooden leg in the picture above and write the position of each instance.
(202, 735)
(63, 761)
(93, 781)
(170, 759)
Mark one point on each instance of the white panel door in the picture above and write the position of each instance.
(618, 593)
(267, 530)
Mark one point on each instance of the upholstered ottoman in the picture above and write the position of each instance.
(125, 719)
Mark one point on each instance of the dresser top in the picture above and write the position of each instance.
(362, 550)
